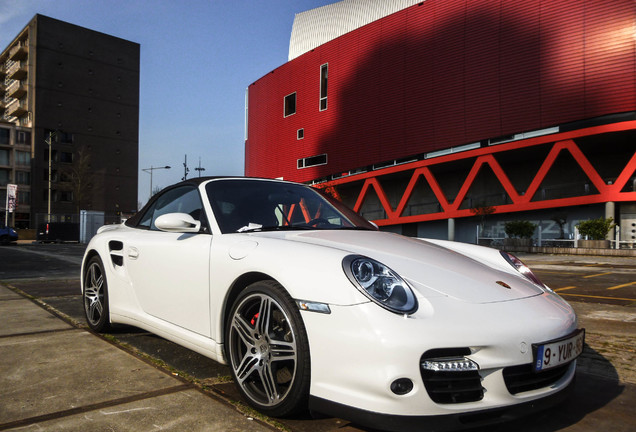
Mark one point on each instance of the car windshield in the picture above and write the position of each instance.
(244, 205)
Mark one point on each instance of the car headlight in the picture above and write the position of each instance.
(380, 284)
(523, 269)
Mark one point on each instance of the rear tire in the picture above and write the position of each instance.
(268, 350)
(95, 296)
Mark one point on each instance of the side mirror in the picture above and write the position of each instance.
(178, 222)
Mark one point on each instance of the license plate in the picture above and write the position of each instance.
(551, 354)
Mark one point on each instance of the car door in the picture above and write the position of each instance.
(170, 272)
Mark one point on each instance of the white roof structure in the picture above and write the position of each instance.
(318, 26)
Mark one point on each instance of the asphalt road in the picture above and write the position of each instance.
(50, 274)
(590, 279)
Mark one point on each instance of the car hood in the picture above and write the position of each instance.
(431, 269)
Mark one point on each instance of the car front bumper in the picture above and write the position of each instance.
(357, 352)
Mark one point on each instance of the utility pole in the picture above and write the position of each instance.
(186, 170)
(199, 168)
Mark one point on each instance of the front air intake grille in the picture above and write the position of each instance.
(453, 387)
(522, 378)
(450, 386)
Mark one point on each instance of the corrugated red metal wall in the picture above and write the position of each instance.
(443, 74)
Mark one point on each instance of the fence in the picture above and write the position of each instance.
(540, 242)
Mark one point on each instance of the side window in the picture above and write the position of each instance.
(146, 219)
(180, 200)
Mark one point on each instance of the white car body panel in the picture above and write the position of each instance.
(157, 263)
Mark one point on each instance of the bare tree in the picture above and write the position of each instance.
(80, 176)
(482, 211)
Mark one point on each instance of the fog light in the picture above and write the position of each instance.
(401, 386)
(450, 365)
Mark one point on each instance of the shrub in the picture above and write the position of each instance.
(596, 229)
(520, 229)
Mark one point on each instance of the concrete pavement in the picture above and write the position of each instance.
(60, 378)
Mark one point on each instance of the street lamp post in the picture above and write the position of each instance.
(150, 170)
(49, 141)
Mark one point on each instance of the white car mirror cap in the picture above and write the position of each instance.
(178, 222)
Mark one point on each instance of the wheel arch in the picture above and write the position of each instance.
(88, 255)
(237, 287)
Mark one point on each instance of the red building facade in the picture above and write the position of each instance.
(448, 106)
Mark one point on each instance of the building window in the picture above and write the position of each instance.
(290, 104)
(23, 177)
(23, 137)
(300, 134)
(66, 137)
(64, 196)
(4, 157)
(312, 161)
(24, 197)
(22, 158)
(4, 136)
(324, 75)
(66, 157)
(4, 177)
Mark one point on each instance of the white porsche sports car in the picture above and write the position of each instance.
(313, 307)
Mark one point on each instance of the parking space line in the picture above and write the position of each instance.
(600, 297)
(595, 275)
(621, 286)
(564, 288)
(554, 272)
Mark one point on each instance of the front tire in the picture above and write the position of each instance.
(95, 296)
(268, 350)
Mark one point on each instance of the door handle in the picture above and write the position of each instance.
(133, 252)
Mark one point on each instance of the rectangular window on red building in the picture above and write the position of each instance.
(324, 75)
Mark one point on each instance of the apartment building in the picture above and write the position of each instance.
(69, 112)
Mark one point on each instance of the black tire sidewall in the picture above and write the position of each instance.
(296, 400)
(104, 320)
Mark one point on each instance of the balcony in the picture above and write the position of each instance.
(17, 70)
(17, 108)
(19, 52)
(16, 89)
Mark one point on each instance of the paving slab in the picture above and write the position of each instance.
(22, 316)
(51, 372)
(187, 410)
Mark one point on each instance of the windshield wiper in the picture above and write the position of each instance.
(259, 228)
(355, 228)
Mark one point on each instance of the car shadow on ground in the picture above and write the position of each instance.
(597, 385)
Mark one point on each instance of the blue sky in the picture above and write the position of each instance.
(197, 59)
